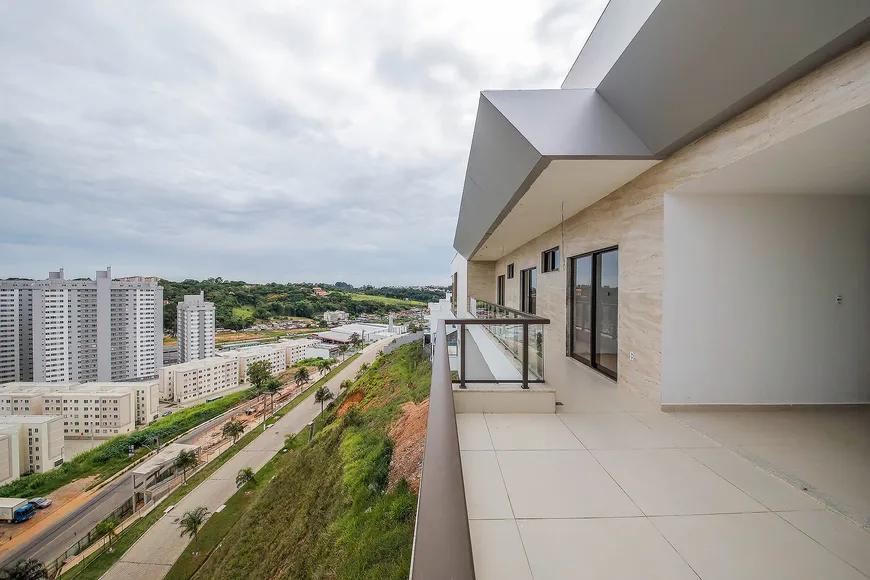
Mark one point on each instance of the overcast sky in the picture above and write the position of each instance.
(255, 140)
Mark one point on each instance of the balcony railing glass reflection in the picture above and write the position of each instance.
(497, 345)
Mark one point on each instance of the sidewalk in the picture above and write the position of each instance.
(151, 557)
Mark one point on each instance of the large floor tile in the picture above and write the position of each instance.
(669, 428)
(670, 482)
(841, 536)
(533, 431)
(613, 431)
(561, 484)
(603, 548)
(498, 551)
(751, 547)
(758, 484)
(485, 493)
(473, 433)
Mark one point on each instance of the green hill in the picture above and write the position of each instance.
(326, 509)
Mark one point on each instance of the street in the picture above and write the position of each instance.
(151, 557)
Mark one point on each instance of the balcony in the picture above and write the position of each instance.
(614, 488)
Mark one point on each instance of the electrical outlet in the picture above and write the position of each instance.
(631, 356)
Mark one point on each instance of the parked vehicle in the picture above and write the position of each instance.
(15, 510)
(41, 502)
(166, 413)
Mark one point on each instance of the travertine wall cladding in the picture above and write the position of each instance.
(632, 217)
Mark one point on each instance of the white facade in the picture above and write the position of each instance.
(196, 328)
(323, 351)
(98, 410)
(335, 317)
(295, 350)
(274, 353)
(10, 462)
(198, 380)
(60, 330)
(40, 441)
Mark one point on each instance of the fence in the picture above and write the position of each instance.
(402, 341)
(119, 513)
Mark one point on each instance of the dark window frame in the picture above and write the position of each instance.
(510, 272)
(569, 287)
(524, 295)
(499, 290)
(550, 260)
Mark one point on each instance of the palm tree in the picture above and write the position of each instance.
(233, 429)
(302, 376)
(30, 569)
(192, 521)
(107, 528)
(272, 388)
(324, 365)
(244, 476)
(185, 460)
(322, 395)
(355, 340)
(346, 384)
(343, 350)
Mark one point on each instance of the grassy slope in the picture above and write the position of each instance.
(96, 565)
(327, 513)
(386, 300)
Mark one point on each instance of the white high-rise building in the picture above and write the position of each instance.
(196, 326)
(60, 330)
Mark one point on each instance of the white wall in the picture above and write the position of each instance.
(750, 309)
(459, 266)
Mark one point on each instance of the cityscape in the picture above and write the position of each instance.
(435, 290)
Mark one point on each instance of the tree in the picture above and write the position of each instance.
(30, 569)
(233, 429)
(346, 384)
(322, 395)
(192, 521)
(324, 365)
(302, 376)
(271, 388)
(244, 476)
(107, 528)
(355, 340)
(343, 350)
(186, 459)
(258, 373)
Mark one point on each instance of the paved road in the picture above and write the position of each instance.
(151, 557)
(52, 541)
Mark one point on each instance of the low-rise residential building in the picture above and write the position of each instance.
(98, 410)
(275, 354)
(10, 467)
(199, 379)
(40, 442)
(295, 350)
(335, 316)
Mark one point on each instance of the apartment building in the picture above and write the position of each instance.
(197, 380)
(196, 328)
(99, 410)
(335, 317)
(59, 330)
(275, 354)
(40, 442)
(10, 463)
(296, 350)
(677, 235)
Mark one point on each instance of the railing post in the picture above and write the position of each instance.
(525, 356)
(461, 356)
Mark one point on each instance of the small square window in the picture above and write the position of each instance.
(550, 260)
(510, 271)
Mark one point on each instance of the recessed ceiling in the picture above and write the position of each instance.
(832, 158)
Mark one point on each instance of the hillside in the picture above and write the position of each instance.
(342, 506)
(238, 304)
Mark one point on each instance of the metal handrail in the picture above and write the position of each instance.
(525, 315)
(442, 540)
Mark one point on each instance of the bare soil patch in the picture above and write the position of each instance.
(409, 437)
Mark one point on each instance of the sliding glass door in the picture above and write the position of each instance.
(594, 298)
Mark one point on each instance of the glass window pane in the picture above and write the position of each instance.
(582, 305)
(607, 310)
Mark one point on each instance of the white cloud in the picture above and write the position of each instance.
(332, 136)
